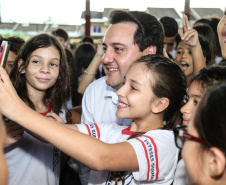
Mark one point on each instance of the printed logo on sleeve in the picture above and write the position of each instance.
(151, 154)
(93, 130)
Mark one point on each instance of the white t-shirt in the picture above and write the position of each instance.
(33, 162)
(180, 174)
(156, 152)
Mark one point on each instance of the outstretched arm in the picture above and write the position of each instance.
(92, 69)
(190, 37)
(93, 153)
(3, 174)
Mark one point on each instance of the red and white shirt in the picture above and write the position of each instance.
(156, 152)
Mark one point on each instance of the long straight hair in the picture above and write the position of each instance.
(59, 93)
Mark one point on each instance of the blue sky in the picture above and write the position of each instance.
(69, 11)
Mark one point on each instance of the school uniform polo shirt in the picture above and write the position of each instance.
(99, 105)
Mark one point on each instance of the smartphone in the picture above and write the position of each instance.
(4, 51)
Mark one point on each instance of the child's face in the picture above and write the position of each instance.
(62, 41)
(10, 61)
(136, 95)
(194, 94)
(184, 59)
(43, 69)
(194, 158)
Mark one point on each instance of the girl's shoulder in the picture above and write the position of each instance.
(161, 138)
(161, 135)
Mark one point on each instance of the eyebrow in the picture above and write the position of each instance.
(183, 48)
(135, 82)
(193, 95)
(114, 44)
(42, 57)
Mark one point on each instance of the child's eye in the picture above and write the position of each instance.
(10, 65)
(179, 52)
(196, 102)
(35, 62)
(54, 65)
(133, 88)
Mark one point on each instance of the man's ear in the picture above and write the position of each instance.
(160, 104)
(216, 162)
(20, 66)
(151, 50)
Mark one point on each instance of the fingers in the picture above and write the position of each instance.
(14, 133)
(181, 33)
(186, 24)
(4, 76)
(100, 51)
(53, 116)
(13, 129)
(189, 33)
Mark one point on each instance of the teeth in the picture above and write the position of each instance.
(123, 105)
(113, 69)
(184, 63)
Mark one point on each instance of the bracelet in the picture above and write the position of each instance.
(86, 73)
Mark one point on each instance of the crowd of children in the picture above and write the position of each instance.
(152, 119)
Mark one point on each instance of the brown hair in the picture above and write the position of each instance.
(59, 93)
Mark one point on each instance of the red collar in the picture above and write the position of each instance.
(49, 110)
(127, 131)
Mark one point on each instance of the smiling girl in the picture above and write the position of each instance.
(143, 153)
(40, 77)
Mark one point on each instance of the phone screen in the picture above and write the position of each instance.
(4, 51)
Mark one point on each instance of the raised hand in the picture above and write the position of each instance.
(100, 51)
(9, 100)
(188, 34)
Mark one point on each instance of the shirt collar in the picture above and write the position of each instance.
(127, 131)
(111, 93)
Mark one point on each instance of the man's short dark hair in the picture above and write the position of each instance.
(149, 30)
(60, 33)
(170, 26)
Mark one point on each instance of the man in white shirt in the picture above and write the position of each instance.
(132, 34)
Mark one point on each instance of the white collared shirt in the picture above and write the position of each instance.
(99, 104)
